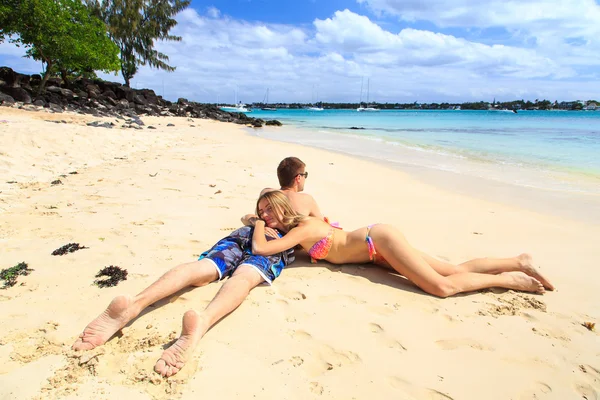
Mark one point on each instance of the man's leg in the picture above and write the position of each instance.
(195, 324)
(125, 308)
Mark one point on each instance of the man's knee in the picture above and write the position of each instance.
(201, 272)
(249, 275)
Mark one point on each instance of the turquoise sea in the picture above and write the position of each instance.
(553, 150)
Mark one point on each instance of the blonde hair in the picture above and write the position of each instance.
(282, 207)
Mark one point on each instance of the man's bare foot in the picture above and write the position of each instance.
(527, 267)
(115, 317)
(521, 281)
(175, 357)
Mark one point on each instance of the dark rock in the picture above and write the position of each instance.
(8, 76)
(17, 93)
(109, 100)
(170, 124)
(110, 94)
(139, 99)
(23, 81)
(100, 124)
(36, 79)
(151, 127)
(53, 89)
(257, 124)
(273, 122)
(123, 103)
(39, 102)
(123, 92)
(6, 99)
(182, 101)
(53, 82)
(55, 107)
(355, 127)
(67, 93)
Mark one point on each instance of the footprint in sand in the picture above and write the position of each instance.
(316, 388)
(297, 361)
(375, 328)
(414, 391)
(293, 295)
(538, 390)
(453, 344)
(587, 391)
(386, 340)
(341, 298)
(282, 302)
(588, 369)
(381, 310)
(301, 335)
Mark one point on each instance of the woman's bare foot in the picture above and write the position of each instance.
(527, 267)
(175, 357)
(523, 282)
(115, 317)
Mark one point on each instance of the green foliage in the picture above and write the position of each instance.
(9, 275)
(61, 33)
(134, 25)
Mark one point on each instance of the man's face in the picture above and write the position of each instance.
(302, 179)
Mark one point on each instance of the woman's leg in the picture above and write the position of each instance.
(522, 262)
(392, 245)
(123, 309)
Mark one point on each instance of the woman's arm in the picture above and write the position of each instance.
(262, 247)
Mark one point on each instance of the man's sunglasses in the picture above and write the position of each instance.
(305, 175)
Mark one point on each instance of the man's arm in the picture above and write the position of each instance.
(249, 219)
(265, 190)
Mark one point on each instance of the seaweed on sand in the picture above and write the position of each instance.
(9, 275)
(115, 275)
(68, 248)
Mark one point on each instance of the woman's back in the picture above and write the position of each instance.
(325, 242)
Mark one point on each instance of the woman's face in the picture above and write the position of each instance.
(269, 215)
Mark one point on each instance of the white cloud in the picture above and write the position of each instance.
(372, 45)
(552, 25)
(213, 12)
(219, 54)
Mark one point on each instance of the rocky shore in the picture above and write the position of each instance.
(106, 99)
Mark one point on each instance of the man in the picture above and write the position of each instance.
(230, 257)
(292, 176)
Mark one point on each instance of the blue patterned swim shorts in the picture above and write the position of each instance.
(236, 249)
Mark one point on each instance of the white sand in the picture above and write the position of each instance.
(320, 331)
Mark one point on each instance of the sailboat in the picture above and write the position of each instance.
(266, 103)
(238, 107)
(367, 108)
(315, 107)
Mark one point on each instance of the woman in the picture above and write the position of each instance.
(386, 246)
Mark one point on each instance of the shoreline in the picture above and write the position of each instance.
(580, 206)
(149, 200)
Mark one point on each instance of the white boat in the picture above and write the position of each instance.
(315, 107)
(238, 107)
(367, 108)
(266, 103)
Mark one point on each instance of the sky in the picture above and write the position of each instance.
(403, 50)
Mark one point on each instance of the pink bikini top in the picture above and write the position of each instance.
(320, 250)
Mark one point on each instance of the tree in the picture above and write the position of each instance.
(134, 25)
(63, 34)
